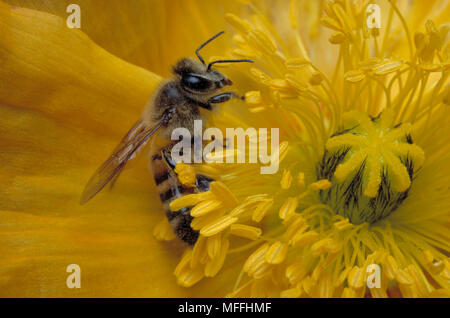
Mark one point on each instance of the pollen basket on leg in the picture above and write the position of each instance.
(371, 165)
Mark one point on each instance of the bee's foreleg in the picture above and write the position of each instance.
(224, 97)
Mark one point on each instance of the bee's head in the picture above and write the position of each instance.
(198, 78)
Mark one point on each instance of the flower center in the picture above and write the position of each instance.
(371, 164)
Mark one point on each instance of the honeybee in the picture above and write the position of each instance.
(174, 104)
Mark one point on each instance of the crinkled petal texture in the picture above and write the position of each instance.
(67, 96)
(64, 104)
(149, 33)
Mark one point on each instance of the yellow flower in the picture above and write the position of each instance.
(364, 166)
(362, 137)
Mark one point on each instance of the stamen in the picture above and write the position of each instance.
(303, 239)
(205, 207)
(261, 210)
(221, 191)
(286, 180)
(288, 208)
(276, 253)
(218, 225)
(214, 245)
(213, 267)
(190, 200)
(355, 277)
(245, 231)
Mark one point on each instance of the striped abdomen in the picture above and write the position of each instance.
(170, 188)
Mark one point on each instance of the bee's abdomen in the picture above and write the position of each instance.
(169, 189)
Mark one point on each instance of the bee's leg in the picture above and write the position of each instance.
(179, 220)
(170, 188)
(224, 97)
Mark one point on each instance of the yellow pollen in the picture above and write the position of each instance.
(186, 174)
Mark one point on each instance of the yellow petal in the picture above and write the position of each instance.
(59, 80)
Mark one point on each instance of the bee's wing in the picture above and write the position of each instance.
(111, 168)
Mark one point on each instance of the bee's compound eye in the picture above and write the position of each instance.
(194, 82)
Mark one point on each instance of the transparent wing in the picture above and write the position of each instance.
(111, 168)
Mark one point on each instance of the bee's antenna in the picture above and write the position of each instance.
(203, 45)
(228, 61)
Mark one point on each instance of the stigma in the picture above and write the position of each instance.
(371, 164)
